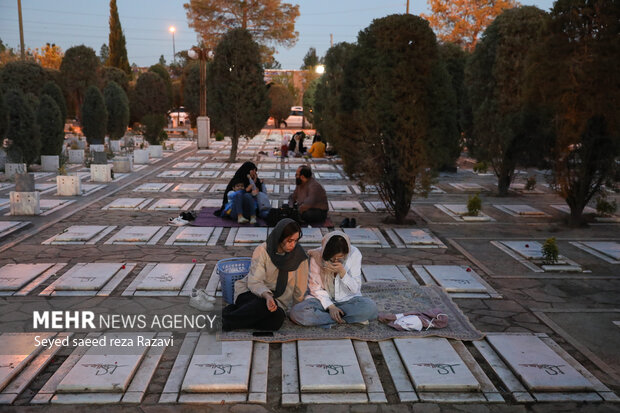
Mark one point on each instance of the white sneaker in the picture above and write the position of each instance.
(242, 220)
(178, 222)
(252, 220)
(201, 301)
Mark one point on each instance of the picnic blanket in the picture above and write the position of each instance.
(395, 297)
(205, 218)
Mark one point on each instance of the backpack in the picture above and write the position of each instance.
(275, 215)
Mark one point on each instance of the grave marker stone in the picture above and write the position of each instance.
(168, 277)
(14, 276)
(79, 233)
(329, 366)
(251, 235)
(455, 279)
(379, 273)
(90, 277)
(538, 366)
(225, 372)
(434, 365)
(135, 234)
(609, 248)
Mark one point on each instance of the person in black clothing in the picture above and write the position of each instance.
(247, 203)
(297, 143)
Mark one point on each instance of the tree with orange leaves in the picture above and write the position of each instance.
(463, 21)
(50, 56)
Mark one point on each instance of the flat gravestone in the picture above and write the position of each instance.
(186, 165)
(125, 203)
(79, 233)
(362, 236)
(415, 236)
(329, 366)
(455, 278)
(194, 235)
(328, 175)
(16, 353)
(530, 250)
(609, 248)
(173, 174)
(151, 187)
(208, 203)
(378, 273)
(169, 204)
(271, 188)
(228, 371)
(376, 206)
(269, 174)
(44, 187)
(189, 188)
(468, 187)
(218, 188)
(311, 235)
(195, 158)
(226, 174)
(246, 235)
(47, 204)
(436, 190)
(135, 234)
(213, 165)
(90, 277)
(456, 209)
(336, 189)
(105, 369)
(166, 277)
(324, 167)
(538, 366)
(346, 206)
(15, 276)
(524, 210)
(204, 174)
(434, 365)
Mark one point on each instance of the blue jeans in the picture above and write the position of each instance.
(243, 204)
(310, 312)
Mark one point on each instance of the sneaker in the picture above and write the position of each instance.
(178, 222)
(242, 220)
(201, 301)
(363, 323)
(252, 220)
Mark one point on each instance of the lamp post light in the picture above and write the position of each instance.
(173, 29)
(202, 122)
(320, 69)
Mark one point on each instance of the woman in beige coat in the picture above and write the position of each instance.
(277, 279)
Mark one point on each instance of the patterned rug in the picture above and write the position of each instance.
(392, 298)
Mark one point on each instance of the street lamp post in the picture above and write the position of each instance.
(172, 30)
(202, 122)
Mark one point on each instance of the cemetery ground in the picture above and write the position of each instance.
(552, 331)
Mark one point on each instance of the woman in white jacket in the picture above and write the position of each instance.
(335, 282)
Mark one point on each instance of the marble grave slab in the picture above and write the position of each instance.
(171, 204)
(153, 187)
(166, 276)
(15, 276)
(173, 174)
(190, 188)
(456, 278)
(204, 174)
(139, 234)
(127, 204)
(88, 277)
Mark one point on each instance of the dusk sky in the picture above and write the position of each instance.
(145, 24)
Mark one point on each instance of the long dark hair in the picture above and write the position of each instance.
(335, 245)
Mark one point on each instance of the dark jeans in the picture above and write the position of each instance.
(314, 215)
(250, 311)
(244, 205)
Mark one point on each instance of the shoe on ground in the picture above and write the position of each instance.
(201, 301)
(352, 223)
(252, 220)
(178, 222)
(242, 220)
(345, 223)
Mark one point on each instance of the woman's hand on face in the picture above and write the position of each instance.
(339, 269)
(271, 303)
(336, 314)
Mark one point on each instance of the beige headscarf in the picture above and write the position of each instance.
(328, 277)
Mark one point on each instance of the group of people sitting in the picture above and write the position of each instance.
(245, 197)
(296, 147)
(320, 291)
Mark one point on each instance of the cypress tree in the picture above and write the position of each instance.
(54, 91)
(3, 117)
(94, 116)
(117, 104)
(22, 128)
(51, 126)
(118, 51)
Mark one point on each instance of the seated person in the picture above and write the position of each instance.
(278, 279)
(296, 145)
(237, 191)
(317, 150)
(335, 282)
(309, 197)
(244, 207)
